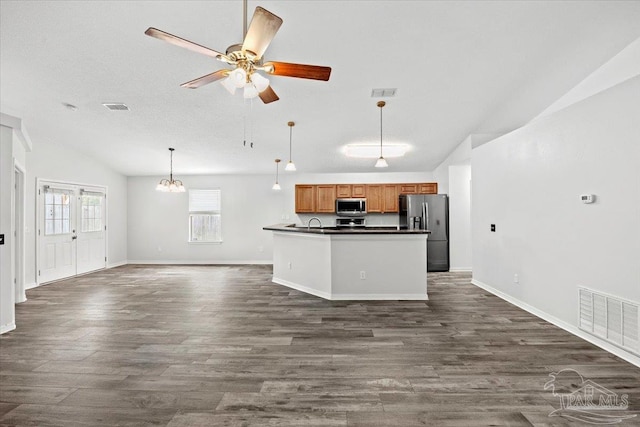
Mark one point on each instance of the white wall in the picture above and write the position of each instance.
(7, 294)
(528, 183)
(460, 155)
(248, 204)
(58, 163)
(460, 218)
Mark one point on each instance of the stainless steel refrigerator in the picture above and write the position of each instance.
(429, 212)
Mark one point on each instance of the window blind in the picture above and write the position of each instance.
(204, 200)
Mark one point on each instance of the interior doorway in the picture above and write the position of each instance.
(72, 237)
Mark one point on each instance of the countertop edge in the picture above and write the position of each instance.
(290, 228)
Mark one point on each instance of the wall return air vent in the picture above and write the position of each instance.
(116, 106)
(613, 319)
(383, 92)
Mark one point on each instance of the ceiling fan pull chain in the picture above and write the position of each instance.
(244, 123)
(251, 121)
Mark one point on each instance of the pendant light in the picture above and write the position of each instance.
(276, 186)
(170, 185)
(291, 167)
(381, 163)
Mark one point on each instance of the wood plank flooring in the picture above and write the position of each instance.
(223, 346)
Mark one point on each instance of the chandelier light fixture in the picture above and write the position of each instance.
(170, 185)
(276, 186)
(291, 167)
(381, 163)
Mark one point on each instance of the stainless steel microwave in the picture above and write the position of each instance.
(351, 207)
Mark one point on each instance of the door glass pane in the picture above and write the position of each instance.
(91, 210)
(56, 211)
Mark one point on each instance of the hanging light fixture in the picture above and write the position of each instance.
(381, 163)
(170, 185)
(276, 186)
(291, 167)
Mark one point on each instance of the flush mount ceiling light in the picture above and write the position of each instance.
(291, 167)
(372, 151)
(381, 163)
(246, 58)
(276, 186)
(170, 185)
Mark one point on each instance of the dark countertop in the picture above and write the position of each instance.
(293, 228)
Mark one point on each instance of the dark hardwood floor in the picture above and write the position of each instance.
(223, 346)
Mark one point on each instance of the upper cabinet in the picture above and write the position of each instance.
(351, 191)
(305, 198)
(381, 198)
(326, 198)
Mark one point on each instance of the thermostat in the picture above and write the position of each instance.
(587, 198)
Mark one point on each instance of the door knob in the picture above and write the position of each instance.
(74, 237)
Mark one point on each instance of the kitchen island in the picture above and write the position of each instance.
(368, 263)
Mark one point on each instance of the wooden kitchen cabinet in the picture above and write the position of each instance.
(343, 191)
(358, 190)
(390, 198)
(305, 198)
(382, 198)
(428, 188)
(374, 198)
(408, 188)
(326, 198)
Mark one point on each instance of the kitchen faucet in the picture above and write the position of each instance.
(317, 219)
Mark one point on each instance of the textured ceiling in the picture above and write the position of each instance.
(459, 67)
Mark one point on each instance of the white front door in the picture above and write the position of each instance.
(71, 230)
(57, 233)
(91, 231)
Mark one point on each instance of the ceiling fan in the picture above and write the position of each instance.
(246, 58)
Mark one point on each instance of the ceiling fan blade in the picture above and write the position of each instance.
(264, 26)
(209, 78)
(268, 95)
(314, 72)
(178, 41)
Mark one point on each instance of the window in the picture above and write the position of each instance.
(56, 211)
(91, 212)
(204, 216)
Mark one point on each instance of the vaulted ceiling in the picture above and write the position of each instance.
(460, 68)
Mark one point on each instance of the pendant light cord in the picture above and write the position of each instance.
(290, 132)
(381, 130)
(171, 167)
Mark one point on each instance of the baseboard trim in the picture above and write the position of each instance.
(460, 269)
(634, 360)
(349, 297)
(198, 262)
(117, 264)
(379, 297)
(301, 288)
(7, 328)
(31, 285)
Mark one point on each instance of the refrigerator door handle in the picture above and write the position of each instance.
(425, 215)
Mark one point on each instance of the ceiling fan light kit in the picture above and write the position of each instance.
(246, 58)
(170, 185)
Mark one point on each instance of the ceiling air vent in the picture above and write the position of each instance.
(383, 93)
(116, 106)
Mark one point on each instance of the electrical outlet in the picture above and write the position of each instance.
(516, 279)
(363, 275)
(289, 265)
(493, 228)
